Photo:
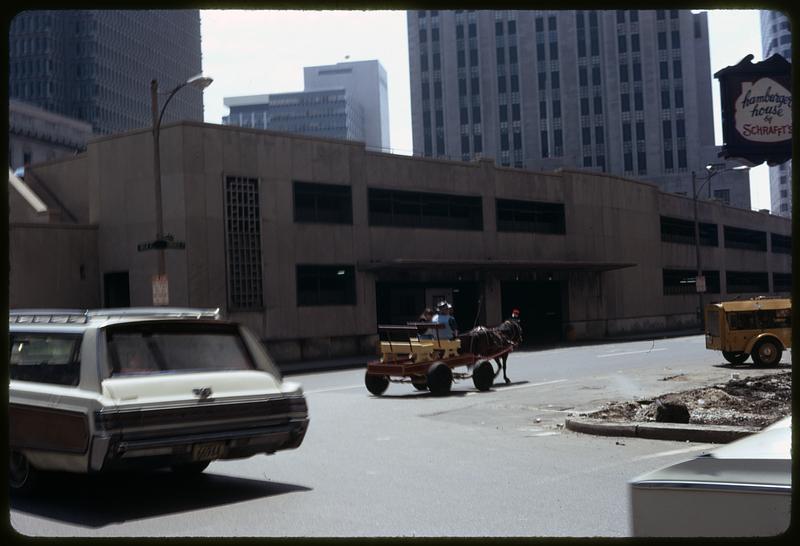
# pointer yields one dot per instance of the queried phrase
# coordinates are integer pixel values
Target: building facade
(314, 242)
(347, 100)
(96, 65)
(36, 135)
(625, 92)
(776, 37)
(325, 113)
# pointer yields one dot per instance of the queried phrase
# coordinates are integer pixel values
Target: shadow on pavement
(750, 366)
(414, 394)
(100, 500)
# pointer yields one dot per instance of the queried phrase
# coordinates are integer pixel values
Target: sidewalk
(349, 362)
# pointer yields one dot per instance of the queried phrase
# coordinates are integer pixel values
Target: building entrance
(398, 303)
(541, 305)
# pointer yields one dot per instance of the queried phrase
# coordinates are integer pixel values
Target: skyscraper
(346, 100)
(619, 91)
(776, 37)
(96, 65)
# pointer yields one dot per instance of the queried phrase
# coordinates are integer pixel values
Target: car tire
(376, 384)
(440, 378)
(735, 357)
(22, 476)
(483, 375)
(767, 352)
(190, 469)
(420, 383)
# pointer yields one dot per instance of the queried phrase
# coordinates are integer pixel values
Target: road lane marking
(632, 352)
(335, 389)
(504, 389)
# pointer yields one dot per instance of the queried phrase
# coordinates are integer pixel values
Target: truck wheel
(376, 384)
(440, 378)
(735, 357)
(767, 352)
(22, 476)
(420, 383)
(190, 469)
(483, 375)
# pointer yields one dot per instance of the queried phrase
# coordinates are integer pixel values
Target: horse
(488, 341)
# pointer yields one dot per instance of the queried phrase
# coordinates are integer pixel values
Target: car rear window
(45, 358)
(162, 347)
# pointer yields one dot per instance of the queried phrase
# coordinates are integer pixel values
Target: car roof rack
(171, 312)
(47, 316)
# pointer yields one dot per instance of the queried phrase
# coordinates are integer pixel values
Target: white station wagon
(93, 391)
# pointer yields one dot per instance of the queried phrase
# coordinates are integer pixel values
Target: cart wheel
(767, 352)
(735, 357)
(483, 375)
(440, 378)
(376, 384)
(420, 383)
(23, 477)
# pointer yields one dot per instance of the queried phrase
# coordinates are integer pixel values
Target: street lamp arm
(166, 102)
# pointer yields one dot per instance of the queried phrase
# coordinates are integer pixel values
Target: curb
(678, 432)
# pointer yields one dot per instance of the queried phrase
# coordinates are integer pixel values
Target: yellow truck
(760, 328)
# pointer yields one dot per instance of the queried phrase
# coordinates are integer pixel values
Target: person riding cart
(449, 326)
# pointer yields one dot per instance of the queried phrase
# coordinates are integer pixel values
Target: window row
(684, 281)
(330, 203)
(677, 230)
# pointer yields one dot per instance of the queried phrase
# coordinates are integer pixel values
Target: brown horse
(485, 341)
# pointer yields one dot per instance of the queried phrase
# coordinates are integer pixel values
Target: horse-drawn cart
(429, 364)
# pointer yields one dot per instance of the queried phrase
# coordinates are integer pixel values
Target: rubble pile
(749, 402)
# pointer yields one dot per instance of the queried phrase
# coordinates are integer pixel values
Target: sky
(262, 52)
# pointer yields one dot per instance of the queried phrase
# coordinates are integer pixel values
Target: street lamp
(201, 82)
(712, 169)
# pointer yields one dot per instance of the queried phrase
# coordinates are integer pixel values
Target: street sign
(701, 283)
(160, 290)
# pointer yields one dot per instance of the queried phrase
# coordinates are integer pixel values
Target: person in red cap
(515, 315)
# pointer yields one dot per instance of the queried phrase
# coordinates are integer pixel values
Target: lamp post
(201, 83)
(712, 169)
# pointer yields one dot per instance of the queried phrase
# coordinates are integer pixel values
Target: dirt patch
(750, 402)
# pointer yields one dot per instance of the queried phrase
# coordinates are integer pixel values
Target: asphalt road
(472, 464)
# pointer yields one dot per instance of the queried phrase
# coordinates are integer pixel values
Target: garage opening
(541, 305)
(398, 303)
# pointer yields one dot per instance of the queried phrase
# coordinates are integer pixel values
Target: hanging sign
(756, 104)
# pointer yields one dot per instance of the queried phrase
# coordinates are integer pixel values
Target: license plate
(207, 452)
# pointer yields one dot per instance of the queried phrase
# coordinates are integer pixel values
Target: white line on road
(632, 352)
(525, 386)
(335, 389)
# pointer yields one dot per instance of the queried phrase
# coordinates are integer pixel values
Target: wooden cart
(428, 364)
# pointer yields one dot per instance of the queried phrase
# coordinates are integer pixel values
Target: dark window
(427, 210)
(741, 320)
(662, 40)
(676, 68)
(665, 98)
(243, 243)
(677, 230)
(684, 281)
(781, 282)
(622, 43)
(664, 70)
(583, 76)
(45, 358)
(781, 244)
(530, 216)
(174, 347)
(747, 282)
(512, 54)
(326, 285)
(666, 129)
(746, 239)
(512, 27)
(324, 203)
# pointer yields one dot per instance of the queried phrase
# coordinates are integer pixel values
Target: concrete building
(36, 135)
(625, 92)
(776, 37)
(347, 100)
(314, 242)
(96, 65)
